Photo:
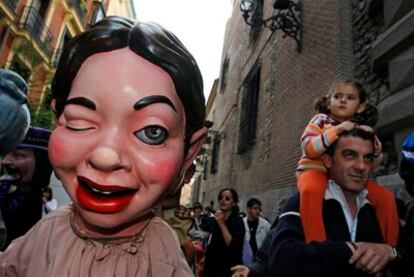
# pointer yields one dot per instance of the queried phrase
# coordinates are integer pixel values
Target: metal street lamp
(288, 18)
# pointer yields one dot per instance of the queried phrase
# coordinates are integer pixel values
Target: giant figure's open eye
(152, 135)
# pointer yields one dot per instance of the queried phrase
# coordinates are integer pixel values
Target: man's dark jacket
(291, 256)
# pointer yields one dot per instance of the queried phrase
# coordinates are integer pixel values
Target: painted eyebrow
(81, 101)
(153, 99)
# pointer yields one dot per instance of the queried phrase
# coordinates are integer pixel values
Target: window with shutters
(248, 110)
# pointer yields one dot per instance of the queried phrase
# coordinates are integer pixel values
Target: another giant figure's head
(14, 114)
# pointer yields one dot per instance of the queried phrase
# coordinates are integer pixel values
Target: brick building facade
(266, 90)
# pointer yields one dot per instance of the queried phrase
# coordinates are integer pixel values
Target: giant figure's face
(119, 143)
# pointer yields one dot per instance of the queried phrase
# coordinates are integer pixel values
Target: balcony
(55, 60)
(12, 4)
(79, 7)
(33, 23)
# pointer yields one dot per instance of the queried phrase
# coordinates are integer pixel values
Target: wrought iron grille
(76, 5)
(33, 23)
(12, 4)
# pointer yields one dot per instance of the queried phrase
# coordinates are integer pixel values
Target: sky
(199, 24)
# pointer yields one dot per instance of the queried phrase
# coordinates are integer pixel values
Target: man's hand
(371, 257)
(240, 271)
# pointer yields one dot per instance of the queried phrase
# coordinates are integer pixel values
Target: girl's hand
(345, 126)
(366, 128)
(219, 216)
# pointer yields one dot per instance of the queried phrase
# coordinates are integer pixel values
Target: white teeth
(101, 192)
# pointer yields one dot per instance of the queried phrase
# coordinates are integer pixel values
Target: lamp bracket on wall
(288, 18)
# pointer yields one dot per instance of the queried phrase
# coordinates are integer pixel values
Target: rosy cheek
(57, 149)
(163, 171)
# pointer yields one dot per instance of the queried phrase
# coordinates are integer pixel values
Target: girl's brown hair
(369, 116)
(321, 104)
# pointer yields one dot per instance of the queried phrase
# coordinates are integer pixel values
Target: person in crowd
(26, 171)
(226, 243)
(49, 203)
(279, 207)
(355, 245)
(14, 114)
(407, 174)
(14, 118)
(199, 239)
(402, 211)
(341, 109)
(130, 109)
(256, 229)
(196, 232)
(259, 268)
(207, 219)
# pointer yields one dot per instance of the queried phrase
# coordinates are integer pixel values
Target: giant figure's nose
(106, 159)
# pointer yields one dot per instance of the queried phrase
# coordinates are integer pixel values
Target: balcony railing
(76, 5)
(56, 57)
(12, 4)
(33, 23)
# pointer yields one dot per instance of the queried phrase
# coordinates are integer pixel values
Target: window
(215, 154)
(98, 12)
(257, 18)
(224, 70)
(58, 52)
(20, 68)
(248, 110)
(205, 169)
(41, 7)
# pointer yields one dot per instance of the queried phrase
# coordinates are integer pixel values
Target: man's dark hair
(197, 205)
(252, 202)
(356, 132)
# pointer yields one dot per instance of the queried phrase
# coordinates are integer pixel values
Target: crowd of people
(123, 164)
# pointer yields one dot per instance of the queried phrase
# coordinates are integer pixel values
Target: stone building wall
(289, 84)
(367, 39)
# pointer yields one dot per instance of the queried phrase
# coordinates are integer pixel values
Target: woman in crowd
(226, 243)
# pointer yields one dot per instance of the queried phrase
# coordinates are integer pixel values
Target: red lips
(102, 198)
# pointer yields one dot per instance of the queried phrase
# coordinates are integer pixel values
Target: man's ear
(361, 107)
(197, 140)
(327, 161)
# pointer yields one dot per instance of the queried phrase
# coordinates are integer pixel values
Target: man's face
(20, 162)
(351, 163)
(253, 213)
(119, 143)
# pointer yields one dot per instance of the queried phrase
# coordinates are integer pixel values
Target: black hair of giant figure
(148, 40)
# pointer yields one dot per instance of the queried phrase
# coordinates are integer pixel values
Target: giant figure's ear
(53, 106)
(197, 140)
(327, 160)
